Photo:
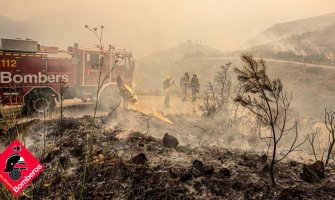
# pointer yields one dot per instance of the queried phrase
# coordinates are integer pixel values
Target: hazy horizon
(221, 24)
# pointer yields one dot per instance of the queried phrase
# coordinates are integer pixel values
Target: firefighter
(184, 84)
(195, 86)
(167, 90)
(128, 95)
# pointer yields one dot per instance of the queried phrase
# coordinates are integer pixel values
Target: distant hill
(67, 27)
(189, 57)
(10, 28)
(285, 30)
(311, 47)
(311, 84)
(310, 40)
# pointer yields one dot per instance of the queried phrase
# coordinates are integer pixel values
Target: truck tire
(39, 103)
(109, 98)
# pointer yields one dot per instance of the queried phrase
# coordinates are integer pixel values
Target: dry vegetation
(142, 167)
(126, 154)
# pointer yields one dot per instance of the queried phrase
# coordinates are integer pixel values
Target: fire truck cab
(37, 76)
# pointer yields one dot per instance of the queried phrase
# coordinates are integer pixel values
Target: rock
(55, 150)
(185, 149)
(327, 187)
(263, 158)
(219, 188)
(291, 193)
(185, 176)
(294, 163)
(46, 158)
(101, 157)
(229, 153)
(238, 185)
(199, 169)
(139, 159)
(150, 147)
(208, 170)
(225, 156)
(198, 186)
(251, 163)
(247, 163)
(160, 150)
(142, 174)
(313, 173)
(256, 186)
(67, 143)
(140, 145)
(173, 172)
(64, 161)
(224, 173)
(97, 150)
(49, 156)
(77, 151)
(266, 168)
(170, 141)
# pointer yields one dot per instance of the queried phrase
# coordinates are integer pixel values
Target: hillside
(312, 47)
(186, 57)
(10, 28)
(285, 30)
(309, 40)
(311, 84)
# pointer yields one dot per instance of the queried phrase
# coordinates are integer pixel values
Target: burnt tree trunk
(329, 152)
(273, 162)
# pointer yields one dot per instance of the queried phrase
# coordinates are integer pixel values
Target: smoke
(150, 26)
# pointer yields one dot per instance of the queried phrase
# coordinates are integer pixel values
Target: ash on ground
(126, 163)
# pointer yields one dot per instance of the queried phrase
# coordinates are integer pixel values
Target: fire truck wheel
(40, 103)
(109, 98)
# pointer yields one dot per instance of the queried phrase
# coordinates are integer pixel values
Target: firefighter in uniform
(184, 84)
(167, 88)
(195, 86)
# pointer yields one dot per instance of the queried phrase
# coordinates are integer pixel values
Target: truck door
(92, 68)
(11, 78)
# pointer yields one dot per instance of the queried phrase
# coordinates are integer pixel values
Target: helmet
(15, 161)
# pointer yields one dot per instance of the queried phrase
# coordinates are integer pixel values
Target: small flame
(129, 95)
(148, 110)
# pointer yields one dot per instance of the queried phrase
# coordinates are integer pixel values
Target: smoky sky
(221, 24)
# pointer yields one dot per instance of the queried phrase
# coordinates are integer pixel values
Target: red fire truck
(34, 76)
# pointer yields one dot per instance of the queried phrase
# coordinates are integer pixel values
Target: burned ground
(138, 166)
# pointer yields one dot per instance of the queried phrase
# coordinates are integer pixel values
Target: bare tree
(98, 33)
(330, 125)
(311, 137)
(237, 90)
(267, 101)
(218, 92)
(210, 105)
(222, 81)
(62, 86)
(99, 36)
